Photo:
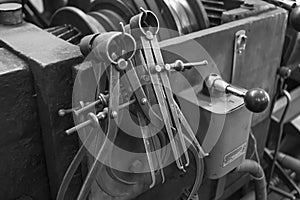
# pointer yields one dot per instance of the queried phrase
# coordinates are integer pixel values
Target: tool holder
(135, 54)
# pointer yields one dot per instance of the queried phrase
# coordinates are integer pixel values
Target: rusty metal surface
(22, 167)
(50, 60)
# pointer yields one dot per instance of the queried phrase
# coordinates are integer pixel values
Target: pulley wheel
(200, 13)
(117, 6)
(77, 18)
(164, 34)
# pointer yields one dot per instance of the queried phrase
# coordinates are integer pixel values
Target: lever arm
(256, 99)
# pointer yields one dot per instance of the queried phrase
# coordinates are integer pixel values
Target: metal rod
(102, 100)
(280, 134)
(82, 125)
(145, 135)
(201, 63)
(100, 116)
(85, 108)
(235, 91)
(282, 192)
(179, 65)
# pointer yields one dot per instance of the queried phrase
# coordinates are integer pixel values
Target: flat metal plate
(221, 105)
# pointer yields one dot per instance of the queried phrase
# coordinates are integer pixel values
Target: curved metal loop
(111, 46)
(145, 22)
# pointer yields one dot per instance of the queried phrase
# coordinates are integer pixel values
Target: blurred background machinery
(252, 43)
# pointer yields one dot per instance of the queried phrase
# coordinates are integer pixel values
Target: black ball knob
(256, 100)
(295, 18)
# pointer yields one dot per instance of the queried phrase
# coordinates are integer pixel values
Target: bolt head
(122, 64)
(158, 68)
(149, 35)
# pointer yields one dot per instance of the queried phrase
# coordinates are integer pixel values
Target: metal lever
(146, 136)
(256, 99)
(179, 65)
(94, 119)
(102, 99)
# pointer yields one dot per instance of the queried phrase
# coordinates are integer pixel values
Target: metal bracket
(238, 54)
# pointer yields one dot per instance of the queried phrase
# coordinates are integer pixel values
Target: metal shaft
(200, 63)
(235, 91)
(100, 116)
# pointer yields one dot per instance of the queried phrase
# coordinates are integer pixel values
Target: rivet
(144, 101)
(149, 35)
(114, 114)
(122, 64)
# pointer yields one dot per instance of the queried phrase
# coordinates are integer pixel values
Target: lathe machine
(141, 99)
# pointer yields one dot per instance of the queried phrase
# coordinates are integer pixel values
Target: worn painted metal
(50, 60)
(22, 167)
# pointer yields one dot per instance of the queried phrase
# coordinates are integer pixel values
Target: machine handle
(256, 99)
